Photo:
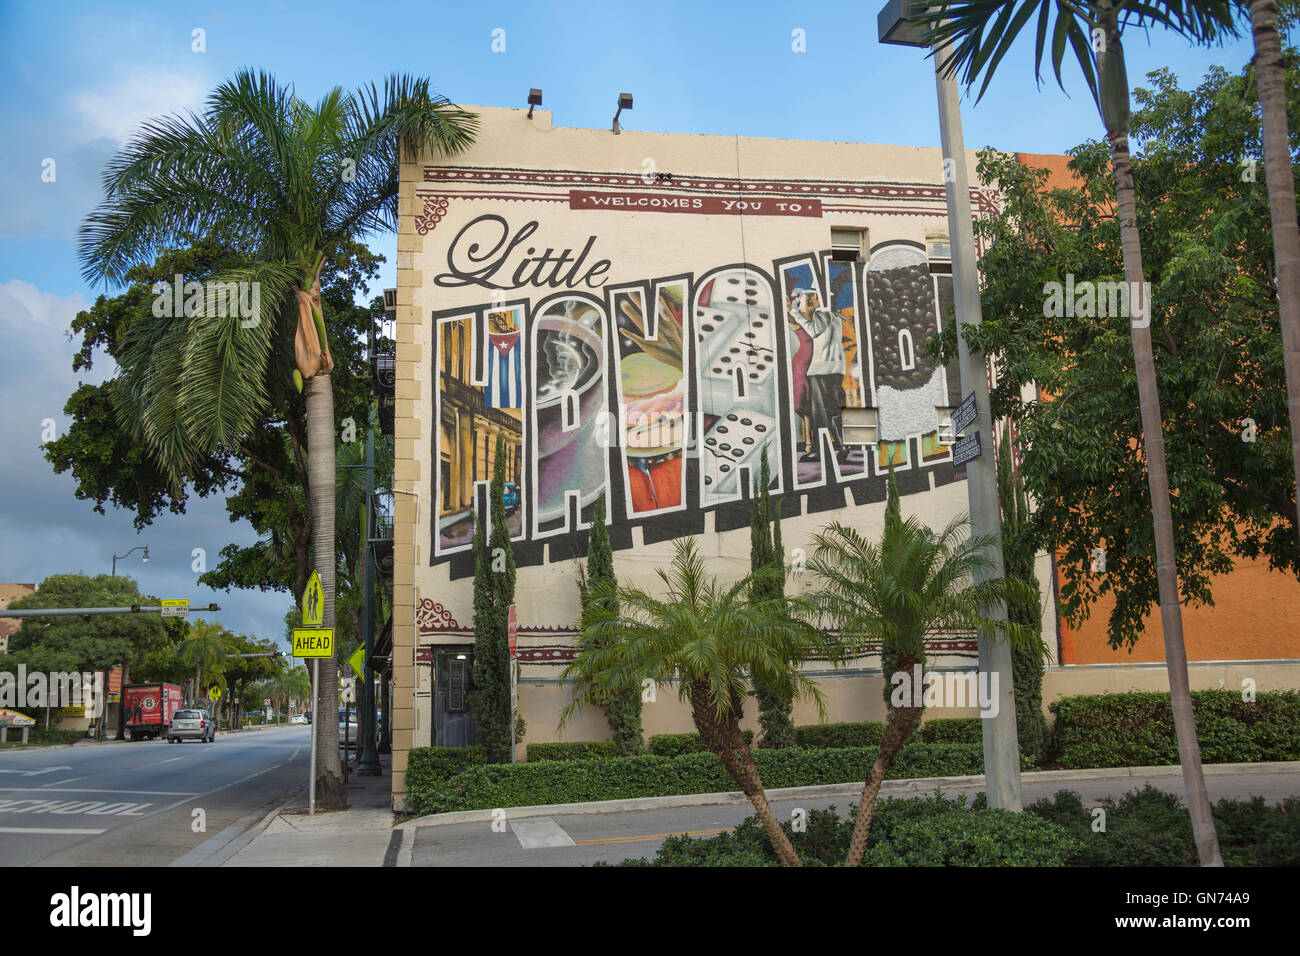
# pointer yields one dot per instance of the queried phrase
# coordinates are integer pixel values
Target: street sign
(512, 629)
(313, 642)
(966, 449)
(175, 607)
(358, 662)
(266, 702)
(214, 693)
(348, 690)
(514, 687)
(12, 718)
(963, 414)
(313, 604)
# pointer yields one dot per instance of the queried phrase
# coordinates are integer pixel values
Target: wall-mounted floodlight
(534, 99)
(624, 103)
(860, 426)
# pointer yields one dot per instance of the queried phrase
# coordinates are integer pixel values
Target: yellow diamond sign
(313, 603)
(313, 642)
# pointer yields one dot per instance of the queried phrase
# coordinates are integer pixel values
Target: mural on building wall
(735, 323)
(652, 355)
(663, 393)
(825, 372)
(481, 396)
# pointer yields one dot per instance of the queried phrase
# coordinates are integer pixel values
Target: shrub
(1137, 729)
(575, 750)
(864, 734)
(576, 781)
(974, 838)
(929, 829)
(958, 730)
(671, 745)
(429, 768)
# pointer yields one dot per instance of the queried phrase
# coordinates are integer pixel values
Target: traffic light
(277, 655)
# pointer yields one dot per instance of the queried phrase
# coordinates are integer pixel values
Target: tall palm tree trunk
(320, 478)
(899, 726)
(726, 741)
(1153, 441)
(1282, 204)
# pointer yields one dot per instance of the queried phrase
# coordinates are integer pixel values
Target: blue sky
(78, 77)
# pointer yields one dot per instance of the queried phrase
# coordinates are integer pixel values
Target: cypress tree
(766, 550)
(494, 592)
(1018, 559)
(622, 708)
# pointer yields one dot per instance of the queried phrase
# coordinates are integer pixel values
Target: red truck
(150, 708)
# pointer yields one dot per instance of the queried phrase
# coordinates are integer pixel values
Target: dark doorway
(453, 719)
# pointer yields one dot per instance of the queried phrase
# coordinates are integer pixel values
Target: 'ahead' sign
(313, 642)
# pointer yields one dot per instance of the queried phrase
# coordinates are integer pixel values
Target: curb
(910, 785)
(221, 856)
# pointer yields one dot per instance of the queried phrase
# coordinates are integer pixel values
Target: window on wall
(849, 245)
(460, 350)
(444, 476)
(446, 350)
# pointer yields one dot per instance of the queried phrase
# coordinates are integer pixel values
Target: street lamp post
(897, 25)
(367, 755)
(121, 690)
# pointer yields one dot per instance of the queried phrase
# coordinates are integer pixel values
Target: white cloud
(115, 109)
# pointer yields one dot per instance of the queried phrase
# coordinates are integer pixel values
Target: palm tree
(205, 647)
(709, 638)
(1278, 174)
(287, 183)
(912, 584)
(970, 37)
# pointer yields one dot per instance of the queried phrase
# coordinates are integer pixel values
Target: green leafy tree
(205, 648)
(1018, 554)
(83, 643)
(708, 638)
(494, 592)
(290, 183)
(913, 583)
(242, 672)
(622, 707)
(766, 550)
(971, 37)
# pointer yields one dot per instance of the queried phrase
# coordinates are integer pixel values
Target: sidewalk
(358, 836)
(364, 835)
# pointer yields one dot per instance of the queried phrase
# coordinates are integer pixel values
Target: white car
(192, 725)
(298, 719)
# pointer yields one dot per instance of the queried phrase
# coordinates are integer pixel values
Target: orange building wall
(1256, 614)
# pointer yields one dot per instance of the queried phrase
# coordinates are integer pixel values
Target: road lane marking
(652, 836)
(540, 832)
(137, 793)
(190, 797)
(170, 759)
(59, 783)
(50, 830)
(37, 773)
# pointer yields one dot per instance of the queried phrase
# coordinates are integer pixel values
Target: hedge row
(573, 750)
(904, 832)
(1146, 828)
(1137, 729)
(504, 785)
(674, 745)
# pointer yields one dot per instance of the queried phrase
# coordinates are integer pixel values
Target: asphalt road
(144, 803)
(582, 839)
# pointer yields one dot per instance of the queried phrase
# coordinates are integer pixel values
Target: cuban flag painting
(505, 381)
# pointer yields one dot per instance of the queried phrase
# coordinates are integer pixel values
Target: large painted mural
(662, 393)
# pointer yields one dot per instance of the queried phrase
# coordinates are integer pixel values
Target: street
(142, 803)
(583, 839)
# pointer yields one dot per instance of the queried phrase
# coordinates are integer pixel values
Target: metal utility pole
(1001, 746)
(368, 758)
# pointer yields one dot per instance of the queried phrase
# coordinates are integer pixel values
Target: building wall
(608, 302)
